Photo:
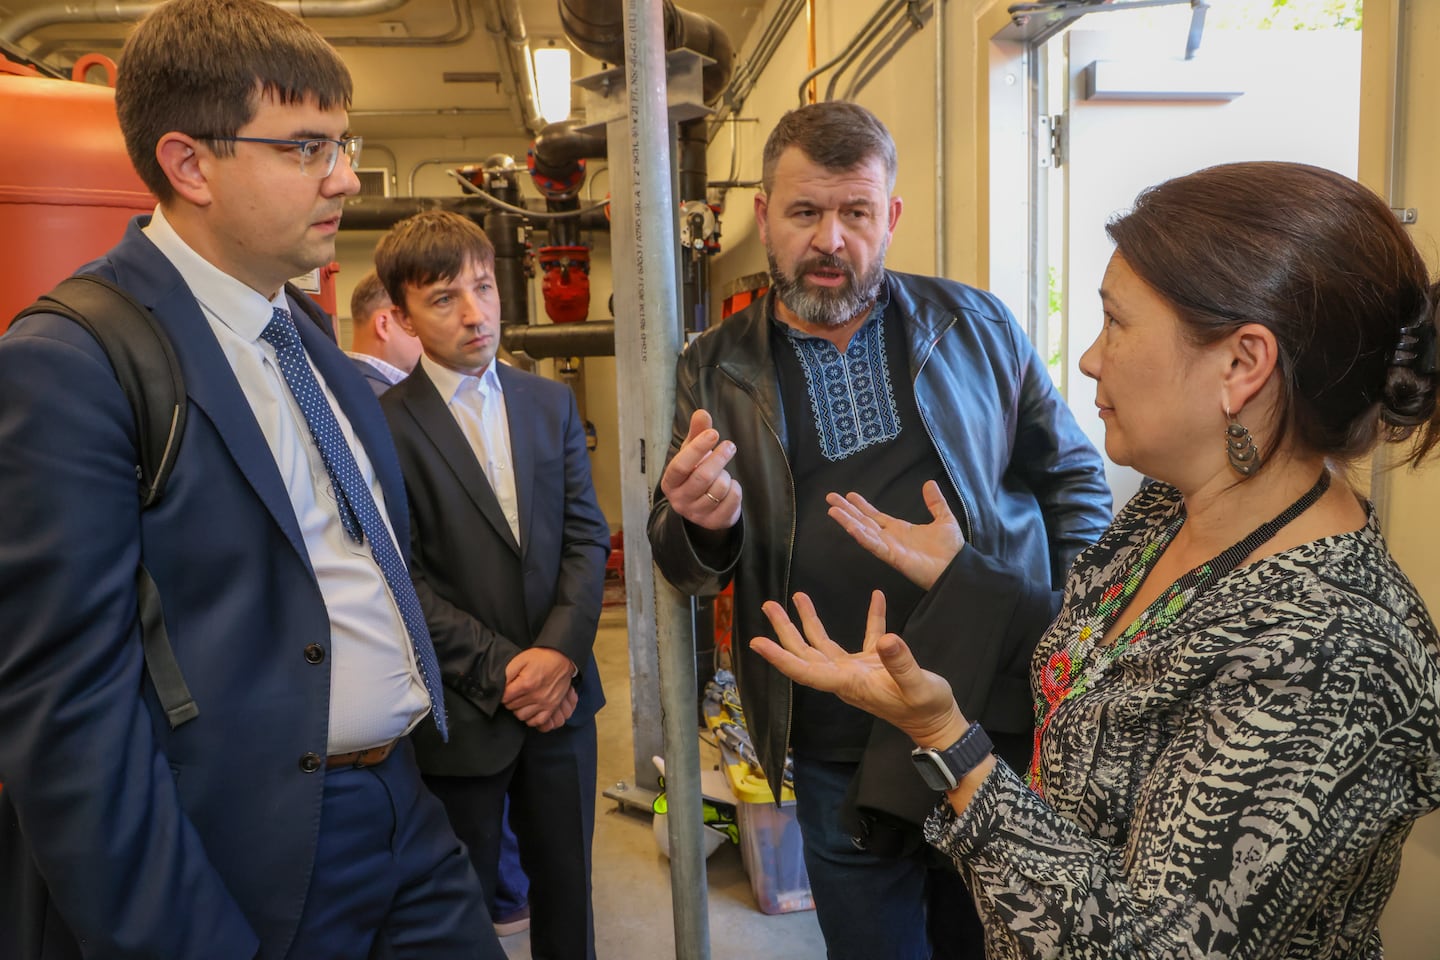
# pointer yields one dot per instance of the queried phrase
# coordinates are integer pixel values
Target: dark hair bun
(1408, 397)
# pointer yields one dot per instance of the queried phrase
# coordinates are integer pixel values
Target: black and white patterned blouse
(1238, 784)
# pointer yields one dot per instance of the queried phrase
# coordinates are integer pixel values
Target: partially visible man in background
(382, 349)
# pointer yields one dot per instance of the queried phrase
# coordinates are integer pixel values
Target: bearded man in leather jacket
(924, 396)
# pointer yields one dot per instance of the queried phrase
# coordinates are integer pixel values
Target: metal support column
(639, 110)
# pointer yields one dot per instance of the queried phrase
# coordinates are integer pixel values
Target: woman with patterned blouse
(1238, 707)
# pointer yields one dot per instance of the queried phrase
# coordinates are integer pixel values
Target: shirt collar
(228, 300)
(387, 370)
(449, 383)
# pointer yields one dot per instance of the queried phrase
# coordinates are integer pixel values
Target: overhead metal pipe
(99, 11)
(750, 70)
(593, 338)
(596, 27)
(506, 26)
(857, 44)
(382, 213)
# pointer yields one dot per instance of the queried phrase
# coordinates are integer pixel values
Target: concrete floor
(631, 877)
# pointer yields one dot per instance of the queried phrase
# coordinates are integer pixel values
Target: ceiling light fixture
(552, 80)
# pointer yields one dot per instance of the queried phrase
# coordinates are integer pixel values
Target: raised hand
(882, 679)
(696, 482)
(921, 552)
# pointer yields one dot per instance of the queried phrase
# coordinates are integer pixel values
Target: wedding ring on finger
(713, 499)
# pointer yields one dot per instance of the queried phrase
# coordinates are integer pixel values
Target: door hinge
(1052, 140)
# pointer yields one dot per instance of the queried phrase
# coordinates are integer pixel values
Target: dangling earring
(1240, 447)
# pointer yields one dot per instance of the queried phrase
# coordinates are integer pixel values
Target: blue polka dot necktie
(358, 513)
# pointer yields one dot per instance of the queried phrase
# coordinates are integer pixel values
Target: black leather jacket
(1031, 485)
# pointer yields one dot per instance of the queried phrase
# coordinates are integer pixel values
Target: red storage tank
(67, 188)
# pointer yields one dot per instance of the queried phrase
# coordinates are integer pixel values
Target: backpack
(149, 374)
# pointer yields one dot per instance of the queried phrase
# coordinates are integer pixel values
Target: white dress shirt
(376, 693)
(387, 370)
(478, 406)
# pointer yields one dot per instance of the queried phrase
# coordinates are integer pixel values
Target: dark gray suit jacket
(485, 596)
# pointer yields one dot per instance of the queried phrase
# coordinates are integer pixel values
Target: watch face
(932, 770)
(944, 769)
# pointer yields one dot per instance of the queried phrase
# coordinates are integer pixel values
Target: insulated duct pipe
(97, 11)
(561, 144)
(593, 338)
(596, 27)
(382, 213)
(559, 170)
(695, 264)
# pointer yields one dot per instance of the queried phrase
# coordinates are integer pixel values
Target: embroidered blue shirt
(851, 395)
(858, 401)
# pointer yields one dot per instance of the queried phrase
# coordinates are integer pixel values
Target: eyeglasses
(317, 157)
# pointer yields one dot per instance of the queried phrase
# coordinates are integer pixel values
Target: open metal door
(1137, 113)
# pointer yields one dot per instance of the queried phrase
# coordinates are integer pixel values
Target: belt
(361, 758)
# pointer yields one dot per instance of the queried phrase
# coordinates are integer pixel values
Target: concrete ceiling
(400, 59)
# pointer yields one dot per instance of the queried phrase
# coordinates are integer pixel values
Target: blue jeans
(874, 907)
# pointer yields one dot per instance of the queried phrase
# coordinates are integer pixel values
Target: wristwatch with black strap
(944, 769)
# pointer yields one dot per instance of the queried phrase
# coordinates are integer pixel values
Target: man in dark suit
(382, 349)
(288, 818)
(509, 550)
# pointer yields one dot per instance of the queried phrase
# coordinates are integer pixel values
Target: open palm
(883, 679)
(920, 551)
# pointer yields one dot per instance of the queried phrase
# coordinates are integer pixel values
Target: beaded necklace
(1073, 669)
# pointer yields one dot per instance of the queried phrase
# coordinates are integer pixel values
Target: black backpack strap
(149, 373)
(144, 362)
(160, 662)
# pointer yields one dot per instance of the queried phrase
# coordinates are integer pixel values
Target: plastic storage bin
(770, 844)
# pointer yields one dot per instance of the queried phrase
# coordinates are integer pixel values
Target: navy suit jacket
(197, 842)
(485, 596)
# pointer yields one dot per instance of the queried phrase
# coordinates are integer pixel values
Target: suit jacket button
(310, 762)
(314, 653)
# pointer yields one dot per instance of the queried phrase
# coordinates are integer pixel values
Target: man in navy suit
(287, 819)
(509, 549)
(382, 349)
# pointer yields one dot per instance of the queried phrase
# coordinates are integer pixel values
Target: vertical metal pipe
(647, 341)
(810, 47)
(691, 149)
(938, 21)
(507, 232)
